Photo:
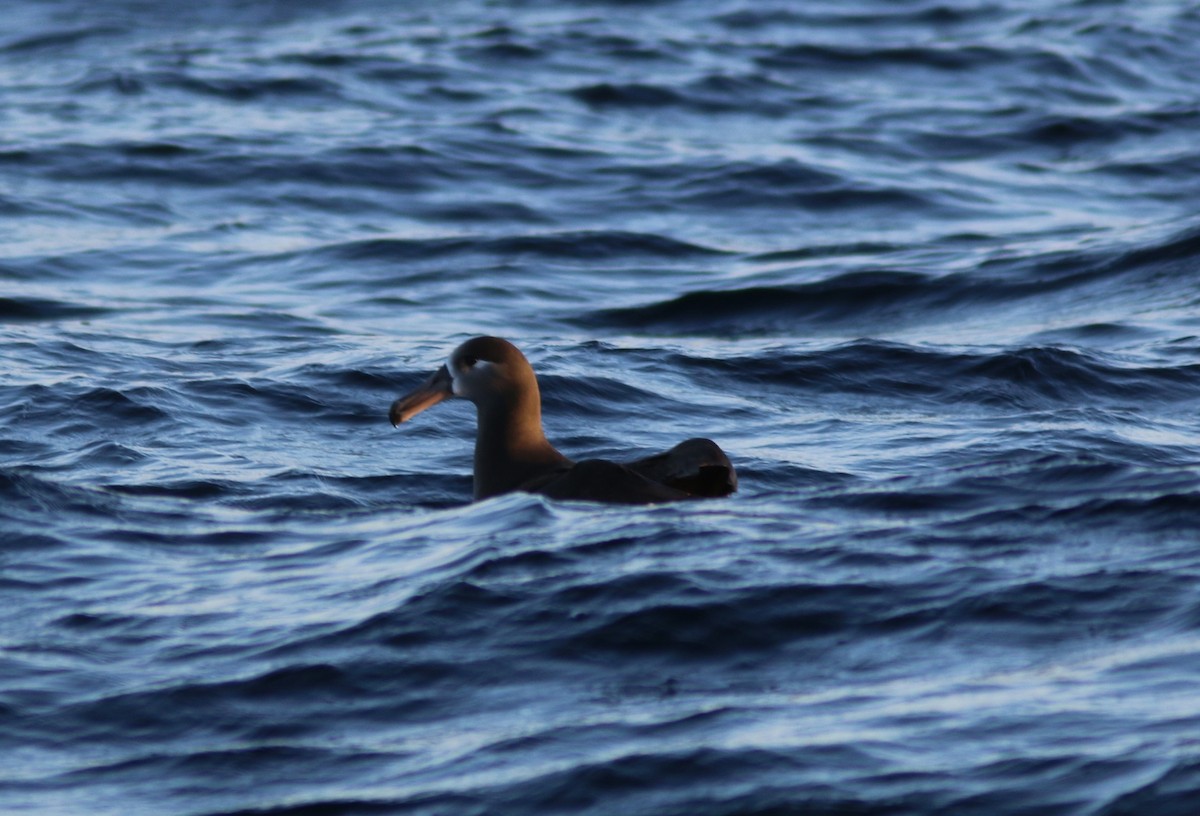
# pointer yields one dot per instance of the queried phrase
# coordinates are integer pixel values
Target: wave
(32, 309)
(956, 58)
(60, 39)
(207, 161)
(31, 494)
(237, 89)
(858, 297)
(1029, 377)
(581, 246)
(787, 185)
(868, 298)
(752, 93)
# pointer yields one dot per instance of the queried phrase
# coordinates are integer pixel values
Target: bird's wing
(602, 481)
(697, 467)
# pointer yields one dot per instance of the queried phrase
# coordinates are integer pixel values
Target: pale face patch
(458, 374)
(454, 384)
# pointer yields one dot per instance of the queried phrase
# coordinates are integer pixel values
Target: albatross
(512, 452)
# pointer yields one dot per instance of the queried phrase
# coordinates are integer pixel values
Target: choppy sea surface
(928, 271)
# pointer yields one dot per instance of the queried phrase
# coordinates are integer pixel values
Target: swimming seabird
(512, 453)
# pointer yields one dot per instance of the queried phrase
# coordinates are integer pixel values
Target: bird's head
(485, 370)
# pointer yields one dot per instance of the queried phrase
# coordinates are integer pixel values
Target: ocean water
(926, 269)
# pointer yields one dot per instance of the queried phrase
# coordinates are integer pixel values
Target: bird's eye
(468, 362)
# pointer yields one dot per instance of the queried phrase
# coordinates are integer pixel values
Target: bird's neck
(510, 445)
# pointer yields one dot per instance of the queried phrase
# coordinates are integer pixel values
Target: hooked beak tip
(437, 388)
(399, 413)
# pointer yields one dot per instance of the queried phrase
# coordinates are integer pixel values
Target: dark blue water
(926, 270)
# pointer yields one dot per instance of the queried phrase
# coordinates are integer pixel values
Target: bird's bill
(437, 388)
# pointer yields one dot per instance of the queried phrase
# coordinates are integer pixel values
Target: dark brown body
(512, 452)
